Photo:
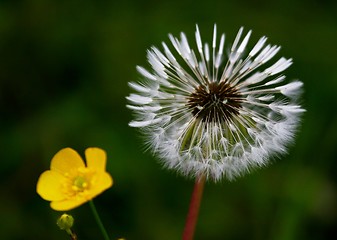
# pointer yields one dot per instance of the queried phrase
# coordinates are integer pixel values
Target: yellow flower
(69, 183)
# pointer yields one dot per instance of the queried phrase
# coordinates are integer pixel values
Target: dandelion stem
(193, 211)
(98, 220)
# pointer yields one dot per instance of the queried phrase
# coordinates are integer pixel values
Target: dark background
(64, 68)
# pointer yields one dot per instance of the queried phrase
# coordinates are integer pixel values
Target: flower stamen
(80, 184)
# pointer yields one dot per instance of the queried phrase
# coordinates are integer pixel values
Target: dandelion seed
(219, 116)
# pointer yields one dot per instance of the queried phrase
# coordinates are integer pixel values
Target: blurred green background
(64, 68)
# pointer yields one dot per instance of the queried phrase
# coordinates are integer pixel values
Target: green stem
(98, 220)
(193, 212)
(72, 235)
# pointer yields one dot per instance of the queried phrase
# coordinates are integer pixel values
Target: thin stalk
(193, 212)
(98, 220)
(72, 235)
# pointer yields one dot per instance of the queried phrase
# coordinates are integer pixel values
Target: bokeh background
(64, 68)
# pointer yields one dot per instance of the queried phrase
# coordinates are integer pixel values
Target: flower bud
(65, 222)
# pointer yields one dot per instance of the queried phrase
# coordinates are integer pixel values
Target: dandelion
(212, 115)
(69, 183)
(216, 115)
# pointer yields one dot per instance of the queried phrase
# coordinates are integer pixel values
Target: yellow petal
(102, 182)
(96, 158)
(67, 204)
(66, 160)
(49, 186)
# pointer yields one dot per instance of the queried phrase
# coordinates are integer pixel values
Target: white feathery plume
(204, 113)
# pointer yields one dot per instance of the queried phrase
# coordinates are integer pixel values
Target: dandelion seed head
(207, 113)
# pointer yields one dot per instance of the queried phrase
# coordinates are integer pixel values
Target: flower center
(80, 184)
(215, 102)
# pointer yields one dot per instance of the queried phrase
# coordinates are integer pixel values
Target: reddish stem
(193, 211)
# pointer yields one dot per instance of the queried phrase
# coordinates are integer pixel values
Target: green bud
(65, 222)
